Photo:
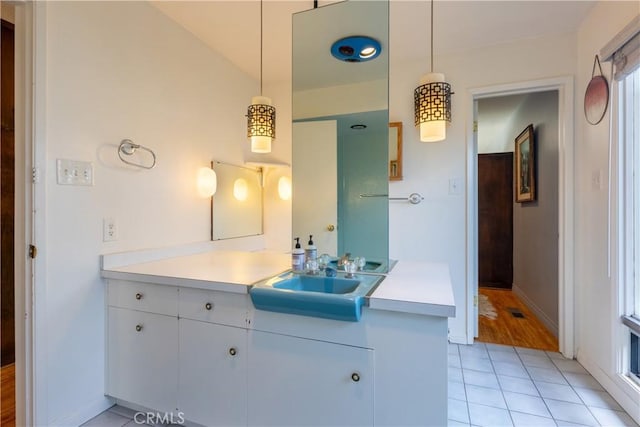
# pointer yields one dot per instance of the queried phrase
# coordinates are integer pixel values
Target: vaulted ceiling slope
(232, 28)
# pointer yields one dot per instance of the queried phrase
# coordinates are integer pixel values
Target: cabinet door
(301, 382)
(143, 358)
(213, 373)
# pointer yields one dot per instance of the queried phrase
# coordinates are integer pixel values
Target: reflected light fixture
(284, 188)
(207, 182)
(240, 189)
(356, 49)
(432, 102)
(261, 115)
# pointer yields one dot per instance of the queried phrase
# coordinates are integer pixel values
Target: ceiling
(232, 28)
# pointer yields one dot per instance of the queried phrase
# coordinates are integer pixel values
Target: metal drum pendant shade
(261, 115)
(432, 102)
(261, 124)
(432, 107)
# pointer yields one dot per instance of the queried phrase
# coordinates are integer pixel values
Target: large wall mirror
(340, 159)
(236, 207)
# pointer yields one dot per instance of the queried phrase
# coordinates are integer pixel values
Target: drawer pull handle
(232, 351)
(355, 377)
(138, 328)
(208, 306)
(138, 296)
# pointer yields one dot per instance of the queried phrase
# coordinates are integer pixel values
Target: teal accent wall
(362, 169)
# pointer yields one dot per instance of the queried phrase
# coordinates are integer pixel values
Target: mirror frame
(396, 165)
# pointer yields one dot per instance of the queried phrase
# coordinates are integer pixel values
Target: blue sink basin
(337, 298)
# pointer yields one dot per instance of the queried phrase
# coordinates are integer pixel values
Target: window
(629, 126)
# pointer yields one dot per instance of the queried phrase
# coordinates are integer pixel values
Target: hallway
(7, 393)
(504, 319)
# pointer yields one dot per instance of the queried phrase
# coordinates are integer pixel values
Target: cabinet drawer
(147, 297)
(213, 306)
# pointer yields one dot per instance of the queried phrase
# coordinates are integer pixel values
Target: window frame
(628, 230)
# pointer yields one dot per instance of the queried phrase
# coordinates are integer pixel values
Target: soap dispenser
(297, 257)
(311, 252)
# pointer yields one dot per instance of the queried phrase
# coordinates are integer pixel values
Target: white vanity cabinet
(142, 339)
(212, 371)
(184, 337)
(302, 382)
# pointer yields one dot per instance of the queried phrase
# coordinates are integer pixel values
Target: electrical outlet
(109, 230)
(74, 172)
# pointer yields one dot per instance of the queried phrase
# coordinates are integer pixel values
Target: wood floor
(8, 393)
(509, 330)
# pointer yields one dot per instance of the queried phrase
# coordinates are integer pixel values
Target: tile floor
(494, 385)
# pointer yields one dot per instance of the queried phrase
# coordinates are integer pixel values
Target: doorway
(559, 310)
(517, 250)
(7, 222)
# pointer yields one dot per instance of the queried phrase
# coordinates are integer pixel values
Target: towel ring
(128, 148)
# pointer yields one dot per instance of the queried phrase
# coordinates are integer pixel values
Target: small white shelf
(268, 164)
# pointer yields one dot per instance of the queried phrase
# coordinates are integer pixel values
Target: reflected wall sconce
(240, 189)
(207, 182)
(284, 188)
(432, 102)
(261, 115)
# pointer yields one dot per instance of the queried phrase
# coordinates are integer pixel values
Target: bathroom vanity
(184, 336)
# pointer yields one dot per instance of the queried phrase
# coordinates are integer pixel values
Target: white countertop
(229, 271)
(416, 287)
(411, 287)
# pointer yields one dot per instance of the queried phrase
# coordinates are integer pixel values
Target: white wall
(597, 316)
(435, 230)
(535, 224)
(495, 116)
(119, 70)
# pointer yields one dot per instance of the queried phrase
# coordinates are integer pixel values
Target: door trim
(31, 329)
(566, 297)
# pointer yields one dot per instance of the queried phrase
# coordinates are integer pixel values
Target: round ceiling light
(356, 49)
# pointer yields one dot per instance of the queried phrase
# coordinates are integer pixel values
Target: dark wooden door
(495, 220)
(7, 169)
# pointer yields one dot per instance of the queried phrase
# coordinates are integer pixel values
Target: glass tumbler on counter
(311, 266)
(360, 262)
(323, 261)
(350, 268)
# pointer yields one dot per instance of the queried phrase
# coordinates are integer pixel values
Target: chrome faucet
(343, 259)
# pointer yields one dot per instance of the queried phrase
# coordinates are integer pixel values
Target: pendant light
(432, 102)
(261, 115)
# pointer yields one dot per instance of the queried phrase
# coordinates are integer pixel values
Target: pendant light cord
(260, 47)
(432, 36)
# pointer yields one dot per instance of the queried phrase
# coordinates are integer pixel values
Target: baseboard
(455, 339)
(87, 412)
(629, 399)
(546, 320)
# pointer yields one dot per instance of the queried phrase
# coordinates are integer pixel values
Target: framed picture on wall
(525, 166)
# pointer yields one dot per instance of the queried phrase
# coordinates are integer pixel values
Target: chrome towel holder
(414, 198)
(128, 148)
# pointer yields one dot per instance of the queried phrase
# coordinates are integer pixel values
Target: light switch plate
(74, 172)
